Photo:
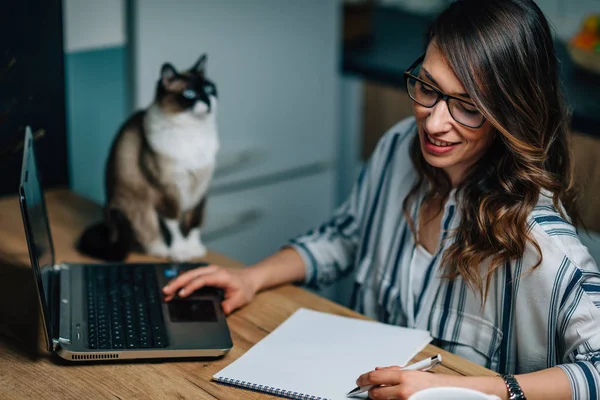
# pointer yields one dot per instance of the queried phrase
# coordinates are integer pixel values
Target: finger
(380, 377)
(388, 392)
(168, 298)
(392, 367)
(185, 278)
(188, 276)
(231, 304)
(217, 279)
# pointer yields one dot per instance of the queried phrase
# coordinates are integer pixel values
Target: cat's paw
(158, 249)
(185, 251)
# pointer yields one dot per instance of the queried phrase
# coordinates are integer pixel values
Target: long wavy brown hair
(502, 52)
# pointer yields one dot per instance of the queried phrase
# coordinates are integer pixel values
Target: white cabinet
(252, 223)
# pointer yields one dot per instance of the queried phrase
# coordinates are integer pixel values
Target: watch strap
(514, 389)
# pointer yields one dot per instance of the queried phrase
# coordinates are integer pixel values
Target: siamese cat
(158, 172)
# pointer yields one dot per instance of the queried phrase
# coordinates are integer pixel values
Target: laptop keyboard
(124, 308)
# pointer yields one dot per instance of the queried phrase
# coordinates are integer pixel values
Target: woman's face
(445, 143)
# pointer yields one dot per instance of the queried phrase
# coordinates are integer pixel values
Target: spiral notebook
(315, 355)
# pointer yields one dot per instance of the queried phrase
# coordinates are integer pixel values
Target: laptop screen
(37, 229)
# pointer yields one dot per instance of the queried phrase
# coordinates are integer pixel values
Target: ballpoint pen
(423, 365)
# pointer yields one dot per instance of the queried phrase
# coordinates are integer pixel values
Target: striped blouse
(532, 319)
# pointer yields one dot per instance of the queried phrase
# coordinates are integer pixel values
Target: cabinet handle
(232, 224)
(268, 179)
(228, 164)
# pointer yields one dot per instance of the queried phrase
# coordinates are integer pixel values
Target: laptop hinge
(64, 326)
(60, 305)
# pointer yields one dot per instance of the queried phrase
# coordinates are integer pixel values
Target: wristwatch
(514, 390)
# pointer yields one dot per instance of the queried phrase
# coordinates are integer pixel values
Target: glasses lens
(465, 113)
(421, 92)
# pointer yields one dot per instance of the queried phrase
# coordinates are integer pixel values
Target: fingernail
(182, 292)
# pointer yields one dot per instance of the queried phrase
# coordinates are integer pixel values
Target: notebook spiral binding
(268, 389)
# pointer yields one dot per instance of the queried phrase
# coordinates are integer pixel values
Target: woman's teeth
(438, 143)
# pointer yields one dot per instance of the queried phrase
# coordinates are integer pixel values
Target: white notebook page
(322, 355)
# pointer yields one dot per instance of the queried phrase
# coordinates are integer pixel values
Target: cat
(160, 166)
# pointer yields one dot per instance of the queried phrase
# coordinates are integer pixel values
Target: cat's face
(186, 91)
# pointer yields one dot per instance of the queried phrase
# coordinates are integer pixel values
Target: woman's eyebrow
(432, 79)
(428, 75)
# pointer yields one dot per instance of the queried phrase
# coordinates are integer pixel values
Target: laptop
(114, 311)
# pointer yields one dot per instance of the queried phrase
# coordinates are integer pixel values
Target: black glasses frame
(440, 95)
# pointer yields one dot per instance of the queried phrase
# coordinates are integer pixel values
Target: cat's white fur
(191, 141)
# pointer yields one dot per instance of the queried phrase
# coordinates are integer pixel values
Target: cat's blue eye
(189, 94)
(209, 89)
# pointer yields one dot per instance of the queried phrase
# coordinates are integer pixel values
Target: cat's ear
(200, 66)
(167, 73)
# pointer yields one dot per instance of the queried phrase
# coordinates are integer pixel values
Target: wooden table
(28, 373)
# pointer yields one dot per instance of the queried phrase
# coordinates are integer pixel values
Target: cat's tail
(110, 240)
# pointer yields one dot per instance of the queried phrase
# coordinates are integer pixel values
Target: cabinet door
(383, 106)
(585, 149)
(275, 64)
(248, 225)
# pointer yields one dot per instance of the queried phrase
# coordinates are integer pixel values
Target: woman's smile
(436, 146)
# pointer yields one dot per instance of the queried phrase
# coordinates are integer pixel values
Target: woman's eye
(469, 109)
(189, 94)
(426, 89)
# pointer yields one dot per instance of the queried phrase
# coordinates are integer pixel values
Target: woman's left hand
(399, 384)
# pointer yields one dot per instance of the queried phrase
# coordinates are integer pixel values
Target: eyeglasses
(427, 95)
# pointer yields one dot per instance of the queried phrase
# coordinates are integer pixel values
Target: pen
(423, 365)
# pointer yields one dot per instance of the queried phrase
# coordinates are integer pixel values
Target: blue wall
(97, 105)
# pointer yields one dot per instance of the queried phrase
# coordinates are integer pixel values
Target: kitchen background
(306, 88)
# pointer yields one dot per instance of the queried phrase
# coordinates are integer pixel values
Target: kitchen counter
(398, 39)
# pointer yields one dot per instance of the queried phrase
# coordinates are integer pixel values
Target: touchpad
(192, 311)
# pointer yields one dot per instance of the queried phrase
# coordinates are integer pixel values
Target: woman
(459, 223)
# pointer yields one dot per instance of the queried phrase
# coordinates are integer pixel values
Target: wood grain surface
(26, 372)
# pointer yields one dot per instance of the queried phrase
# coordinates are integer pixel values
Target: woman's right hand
(237, 284)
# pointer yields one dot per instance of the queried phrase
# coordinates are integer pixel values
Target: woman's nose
(439, 119)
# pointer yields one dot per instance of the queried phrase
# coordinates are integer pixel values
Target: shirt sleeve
(579, 334)
(329, 251)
